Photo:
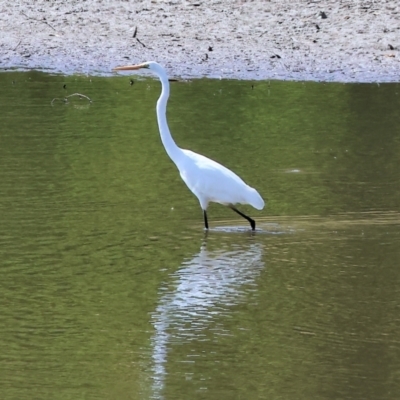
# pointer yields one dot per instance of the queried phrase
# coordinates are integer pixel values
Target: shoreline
(332, 41)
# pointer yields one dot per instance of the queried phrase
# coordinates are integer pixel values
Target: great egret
(208, 180)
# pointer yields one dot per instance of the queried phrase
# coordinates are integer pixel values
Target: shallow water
(111, 289)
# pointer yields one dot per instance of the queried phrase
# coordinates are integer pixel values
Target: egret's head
(148, 64)
(132, 67)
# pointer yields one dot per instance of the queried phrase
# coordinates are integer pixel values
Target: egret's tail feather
(256, 200)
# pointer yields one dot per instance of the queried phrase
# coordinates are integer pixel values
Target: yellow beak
(130, 67)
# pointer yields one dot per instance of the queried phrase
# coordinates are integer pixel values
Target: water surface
(111, 289)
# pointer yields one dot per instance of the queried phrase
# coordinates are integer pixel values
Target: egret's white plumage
(208, 180)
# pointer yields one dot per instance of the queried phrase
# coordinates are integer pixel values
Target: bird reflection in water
(207, 286)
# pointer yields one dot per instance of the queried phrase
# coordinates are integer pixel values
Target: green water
(110, 288)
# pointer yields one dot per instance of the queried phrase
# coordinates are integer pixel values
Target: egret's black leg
(251, 220)
(205, 219)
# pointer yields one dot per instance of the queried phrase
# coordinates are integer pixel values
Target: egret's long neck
(171, 148)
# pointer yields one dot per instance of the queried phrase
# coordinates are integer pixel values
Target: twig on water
(38, 20)
(65, 99)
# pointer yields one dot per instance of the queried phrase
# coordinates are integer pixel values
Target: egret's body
(208, 180)
(212, 182)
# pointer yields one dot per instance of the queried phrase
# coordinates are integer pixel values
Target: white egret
(208, 180)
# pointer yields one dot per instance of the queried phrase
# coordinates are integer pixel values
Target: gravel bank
(338, 40)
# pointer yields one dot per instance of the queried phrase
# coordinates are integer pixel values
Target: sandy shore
(332, 40)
